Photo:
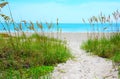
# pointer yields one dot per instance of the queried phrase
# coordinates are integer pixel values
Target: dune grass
(22, 53)
(28, 57)
(104, 47)
(105, 44)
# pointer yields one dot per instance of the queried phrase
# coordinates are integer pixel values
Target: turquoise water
(68, 27)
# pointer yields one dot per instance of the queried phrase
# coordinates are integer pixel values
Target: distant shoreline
(67, 27)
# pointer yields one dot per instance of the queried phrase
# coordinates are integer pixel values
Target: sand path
(83, 66)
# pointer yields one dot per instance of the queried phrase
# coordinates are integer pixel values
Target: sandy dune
(84, 65)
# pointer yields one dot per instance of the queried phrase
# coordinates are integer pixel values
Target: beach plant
(105, 44)
(27, 52)
(104, 23)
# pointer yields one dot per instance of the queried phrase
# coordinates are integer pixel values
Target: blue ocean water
(66, 27)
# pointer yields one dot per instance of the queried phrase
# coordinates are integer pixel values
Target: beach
(84, 65)
(60, 39)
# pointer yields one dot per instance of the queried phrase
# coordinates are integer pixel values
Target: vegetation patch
(23, 55)
(28, 57)
(105, 43)
(41, 72)
(104, 47)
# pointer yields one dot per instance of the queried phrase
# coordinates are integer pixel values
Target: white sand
(84, 65)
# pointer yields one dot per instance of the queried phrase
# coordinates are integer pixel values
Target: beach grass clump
(105, 38)
(25, 51)
(105, 41)
(102, 43)
(104, 47)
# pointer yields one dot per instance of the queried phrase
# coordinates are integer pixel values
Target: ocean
(65, 27)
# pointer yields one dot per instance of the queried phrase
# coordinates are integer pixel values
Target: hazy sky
(68, 11)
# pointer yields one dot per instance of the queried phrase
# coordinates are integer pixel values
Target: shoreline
(62, 35)
(56, 32)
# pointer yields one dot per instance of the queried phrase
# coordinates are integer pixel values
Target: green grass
(31, 73)
(26, 53)
(102, 44)
(26, 57)
(104, 47)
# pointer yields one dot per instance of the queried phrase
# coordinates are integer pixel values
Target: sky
(67, 11)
